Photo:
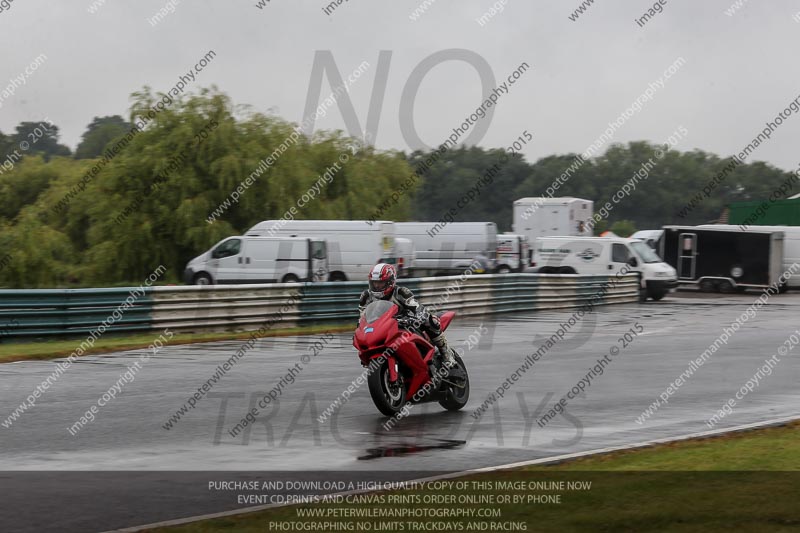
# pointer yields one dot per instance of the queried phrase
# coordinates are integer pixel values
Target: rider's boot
(440, 341)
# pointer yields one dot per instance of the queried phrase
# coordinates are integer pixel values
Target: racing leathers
(428, 322)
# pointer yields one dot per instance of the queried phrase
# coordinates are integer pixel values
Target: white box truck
(605, 256)
(354, 246)
(513, 253)
(449, 249)
(537, 217)
(260, 260)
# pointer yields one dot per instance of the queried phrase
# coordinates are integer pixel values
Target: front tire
(388, 398)
(657, 295)
(202, 279)
(457, 397)
(708, 286)
(504, 269)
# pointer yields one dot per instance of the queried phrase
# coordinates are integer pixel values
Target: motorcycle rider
(383, 286)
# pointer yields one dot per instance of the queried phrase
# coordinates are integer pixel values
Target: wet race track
(129, 433)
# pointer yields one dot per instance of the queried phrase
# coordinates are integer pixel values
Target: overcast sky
(739, 71)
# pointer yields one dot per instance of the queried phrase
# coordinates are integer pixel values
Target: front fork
(392, 362)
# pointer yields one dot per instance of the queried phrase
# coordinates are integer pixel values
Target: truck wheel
(202, 279)
(503, 269)
(707, 286)
(566, 270)
(290, 278)
(726, 287)
(337, 276)
(783, 288)
(657, 295)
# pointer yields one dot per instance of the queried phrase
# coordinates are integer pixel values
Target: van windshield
(647, 254)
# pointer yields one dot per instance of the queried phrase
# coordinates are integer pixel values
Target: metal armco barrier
(67, 312)
(71, 312)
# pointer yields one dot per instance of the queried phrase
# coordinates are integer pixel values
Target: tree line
(88, 242)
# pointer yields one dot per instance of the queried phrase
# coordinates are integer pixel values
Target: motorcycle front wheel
(457, 397)
(388, 397)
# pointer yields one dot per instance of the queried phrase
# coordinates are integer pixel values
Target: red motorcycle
(404, 366)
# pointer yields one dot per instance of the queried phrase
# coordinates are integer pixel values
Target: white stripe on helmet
(376, 271)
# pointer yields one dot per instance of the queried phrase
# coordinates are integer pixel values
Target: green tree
(40, 137)
(99, 133)
(623, 228)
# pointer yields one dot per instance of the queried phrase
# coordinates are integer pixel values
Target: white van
(406, 257)
(513, 253)
(449, 248)
(605, 256)
(260, 260)
(354, 246)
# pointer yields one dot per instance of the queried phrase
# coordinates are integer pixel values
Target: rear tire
(456, 398)
(657, 295)
(389, 400)
(337, 276)
(726, 287)
(290, 278)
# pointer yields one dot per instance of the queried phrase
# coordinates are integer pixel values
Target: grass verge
(62, 348)
(747, 481)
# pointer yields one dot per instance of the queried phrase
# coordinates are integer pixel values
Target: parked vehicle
(552, 217)
(651, 237)
(260, 260)
(405, 366)
(513, 253)
(789, 253)
(605, 256)
(354, 246)
(445, 249)
(406, 257)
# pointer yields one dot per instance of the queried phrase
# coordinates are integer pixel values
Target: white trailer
(259, 260)
(354, 246)
(513, 253)
(444, 249)
(537, 217)
(791, 247)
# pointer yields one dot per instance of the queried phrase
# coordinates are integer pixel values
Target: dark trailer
(723, 259)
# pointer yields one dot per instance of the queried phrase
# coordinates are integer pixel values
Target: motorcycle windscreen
(377, 309)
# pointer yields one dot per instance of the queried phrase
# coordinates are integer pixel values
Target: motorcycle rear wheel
(455, 397)
(388, 398)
